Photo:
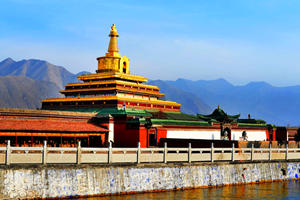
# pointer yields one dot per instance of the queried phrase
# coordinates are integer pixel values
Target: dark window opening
(95, 141)
(152, 140)
(124, 67)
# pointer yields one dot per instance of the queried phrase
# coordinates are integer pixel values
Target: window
(124, 67)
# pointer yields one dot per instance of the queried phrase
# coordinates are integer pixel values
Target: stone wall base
(91, 180)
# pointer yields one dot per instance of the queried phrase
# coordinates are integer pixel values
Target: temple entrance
(152, 137)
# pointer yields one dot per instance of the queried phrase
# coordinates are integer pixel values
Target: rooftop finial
(219, 107)
(113, 43)
(113, 31)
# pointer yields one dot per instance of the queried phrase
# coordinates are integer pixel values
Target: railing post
(45, 153)
(8, 152)
(286, 151)
(110, 152)
(212, 152)
(139, 153)
(232, 153)
(79, 152)
(270, 151)
(165, 153)
(252, 152)
(190, 153)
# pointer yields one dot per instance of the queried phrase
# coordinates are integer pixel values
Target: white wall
(199, 134)
(253, 135)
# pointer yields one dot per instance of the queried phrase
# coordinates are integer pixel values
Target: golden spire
(113, 43)
(112, 61)
(219, 107)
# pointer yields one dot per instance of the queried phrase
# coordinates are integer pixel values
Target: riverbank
(271, 190)
(53, 181)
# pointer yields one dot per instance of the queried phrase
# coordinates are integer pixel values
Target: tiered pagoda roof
(112, 86)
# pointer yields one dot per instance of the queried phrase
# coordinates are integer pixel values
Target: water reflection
(275, 190)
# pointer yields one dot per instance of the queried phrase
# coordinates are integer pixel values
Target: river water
(275, 190)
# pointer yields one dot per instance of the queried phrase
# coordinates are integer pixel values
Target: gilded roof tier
(134, 91)
(105, 98)
(112, 82)
(107, 75)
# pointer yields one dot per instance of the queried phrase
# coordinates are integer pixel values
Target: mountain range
(38, 70)
(277, 105)
(23, 92)
(23, 84)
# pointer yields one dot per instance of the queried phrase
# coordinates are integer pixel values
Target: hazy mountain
(190, 103)
(25, 83)
(278, 105)
(23, 92)
(37, 70)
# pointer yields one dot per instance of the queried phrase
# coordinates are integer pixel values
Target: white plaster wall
(199, 134)
(253, 135)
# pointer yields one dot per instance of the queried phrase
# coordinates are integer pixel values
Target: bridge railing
(83, 155)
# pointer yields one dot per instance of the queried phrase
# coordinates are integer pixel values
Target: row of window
(111, 85)
(90, 95)
(146, 105)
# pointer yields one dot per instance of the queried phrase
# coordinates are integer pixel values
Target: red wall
(143, 137)
(125, 137)
(267, 134)
(161, 133)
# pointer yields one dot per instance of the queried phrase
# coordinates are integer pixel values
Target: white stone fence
(82, 155)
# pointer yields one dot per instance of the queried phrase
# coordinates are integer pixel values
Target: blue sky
(241, 41)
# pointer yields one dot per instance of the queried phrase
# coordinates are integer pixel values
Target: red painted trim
(274, 135)
(267, 135)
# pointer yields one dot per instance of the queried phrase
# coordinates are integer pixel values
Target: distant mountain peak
(82, 73)
(7, 60)
(258, 84)
(222, 79)
(38, 70)
(182, 79)
(37, 61)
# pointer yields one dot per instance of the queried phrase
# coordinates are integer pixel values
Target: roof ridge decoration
(219, 115)
(113, 44)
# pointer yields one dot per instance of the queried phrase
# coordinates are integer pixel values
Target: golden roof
(106, 98)
(112, 82)
(106, 75)
(151, 93)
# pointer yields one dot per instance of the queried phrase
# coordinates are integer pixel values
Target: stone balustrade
(81, 155)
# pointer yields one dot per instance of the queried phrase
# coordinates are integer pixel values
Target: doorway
(152, 137)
